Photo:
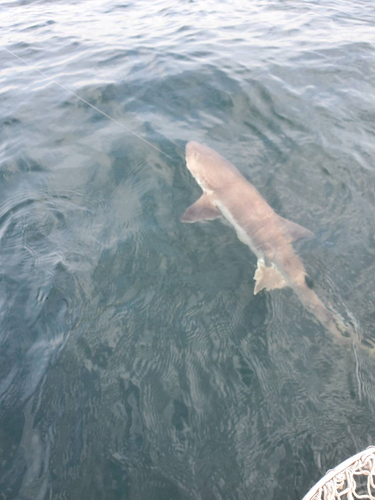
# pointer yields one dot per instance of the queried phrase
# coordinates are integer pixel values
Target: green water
(135, 361)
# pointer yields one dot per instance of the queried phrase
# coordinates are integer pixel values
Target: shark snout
(191, 146)
(192, 150)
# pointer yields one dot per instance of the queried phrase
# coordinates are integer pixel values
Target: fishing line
(92, 105)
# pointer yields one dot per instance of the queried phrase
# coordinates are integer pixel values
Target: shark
(229, 195)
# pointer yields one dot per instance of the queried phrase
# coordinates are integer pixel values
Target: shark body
(227, 193)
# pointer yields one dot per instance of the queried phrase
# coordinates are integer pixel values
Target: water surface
(135, 361)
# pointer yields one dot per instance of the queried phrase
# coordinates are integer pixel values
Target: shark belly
(242, 235)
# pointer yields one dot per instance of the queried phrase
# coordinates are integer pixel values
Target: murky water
(135, 361)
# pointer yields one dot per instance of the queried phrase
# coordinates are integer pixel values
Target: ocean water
(135, 360)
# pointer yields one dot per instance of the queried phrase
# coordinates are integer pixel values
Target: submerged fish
(227, 193)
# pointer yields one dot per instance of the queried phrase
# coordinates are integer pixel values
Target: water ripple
(135, 361)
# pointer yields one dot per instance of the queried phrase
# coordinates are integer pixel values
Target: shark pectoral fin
(268, 278)
(294, 231)
(202, 209)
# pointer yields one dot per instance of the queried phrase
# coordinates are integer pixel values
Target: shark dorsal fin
(267, 278)
(202, 209)
(293, 231)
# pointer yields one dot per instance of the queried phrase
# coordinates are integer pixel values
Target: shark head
(206, 166)
(196, 164)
